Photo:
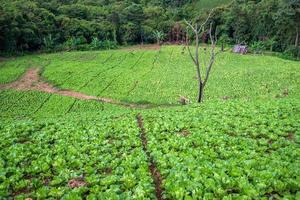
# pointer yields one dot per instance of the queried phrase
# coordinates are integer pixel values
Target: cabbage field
(108, 125)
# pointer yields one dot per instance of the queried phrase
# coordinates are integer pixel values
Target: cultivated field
(108, 125)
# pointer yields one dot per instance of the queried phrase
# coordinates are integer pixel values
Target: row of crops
(228, 151)
(31, 104)
(220, 150)
(42, 160)
(160, 76)
(245, 146)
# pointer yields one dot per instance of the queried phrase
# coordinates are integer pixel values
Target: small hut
(241, 49)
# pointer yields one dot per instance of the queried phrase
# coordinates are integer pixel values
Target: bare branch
(212, 60)
(190, 25)
(204, 23)
(212, 55)
(204, 56)
(189, 50)
(210, 35)
(216, 37)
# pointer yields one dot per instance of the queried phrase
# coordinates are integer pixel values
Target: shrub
(258, 47)
(48, 42)
(270, 43)
(74, 43)
(96, 44)
(292, 52)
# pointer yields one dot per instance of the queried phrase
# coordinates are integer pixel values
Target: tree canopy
(30, 25)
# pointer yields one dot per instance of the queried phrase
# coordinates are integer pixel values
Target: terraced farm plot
(137, 141)
(51, 160)
(235, 151)
(161, 76)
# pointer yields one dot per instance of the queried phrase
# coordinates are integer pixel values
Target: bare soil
(2, 59)
(156, 176)
(143, 47)
(76, 183)
(291, 137)
(184, 133)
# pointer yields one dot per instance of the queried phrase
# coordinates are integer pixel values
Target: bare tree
(202, 67)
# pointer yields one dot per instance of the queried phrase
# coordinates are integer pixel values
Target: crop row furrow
(71, 106)
(119, 74)
(101, 72)
(153, 64)
(15, 102)
(156, 176)
(137, 61)
(132, 88)
(84, 71)
(42, 104)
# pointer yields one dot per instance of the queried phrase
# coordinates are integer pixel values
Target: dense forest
(31, 25)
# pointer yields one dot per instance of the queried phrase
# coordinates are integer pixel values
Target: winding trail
(31, 81)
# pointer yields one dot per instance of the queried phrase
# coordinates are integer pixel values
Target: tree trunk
(142, 39)
(115, 35)
(297, 37)
(201, 91)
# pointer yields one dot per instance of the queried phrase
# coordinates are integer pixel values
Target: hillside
(35, 25)
(209, 4)
(107, 124)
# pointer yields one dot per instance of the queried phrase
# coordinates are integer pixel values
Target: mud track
(31, 80)
(156, 176)
(143, 47)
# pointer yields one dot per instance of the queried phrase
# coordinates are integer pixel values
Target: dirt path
(143, 47)
(31, 81)
(156, 176)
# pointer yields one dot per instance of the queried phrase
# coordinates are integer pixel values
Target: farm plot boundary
(31, 80)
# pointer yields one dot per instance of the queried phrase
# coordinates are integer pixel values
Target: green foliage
(270, 43)
(258, 47)
(156, 74)
(272, 22)
(26, 24)
(96, 44)
(244, 146)
(292, 52)
(227, 150)
(159, 36)
(48, 42)
(43, 156)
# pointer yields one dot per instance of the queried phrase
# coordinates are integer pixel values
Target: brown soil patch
(156, 176)
(47, 181)
(2, 59)
(31, 81)
(76, 183)
(285, 92)
(21, 191)
(225, 98)
(107, 171)
(291, 137)
(143, 47)
(184, 133)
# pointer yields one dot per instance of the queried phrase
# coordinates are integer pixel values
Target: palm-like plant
(159, 36)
